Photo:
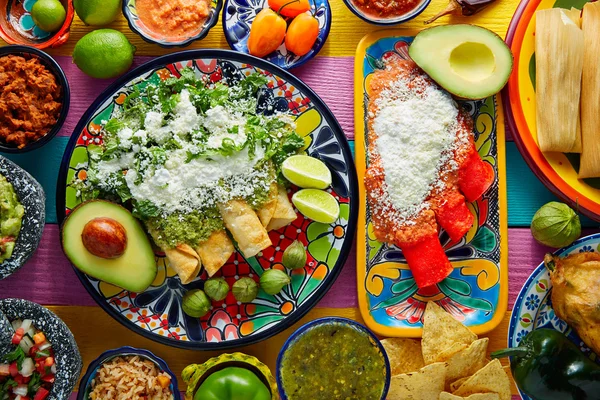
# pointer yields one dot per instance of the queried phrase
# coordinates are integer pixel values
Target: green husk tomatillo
(294, 257)
(273, 280)
(195, 303)
(216, 288)
(245, 290)
(556, 225)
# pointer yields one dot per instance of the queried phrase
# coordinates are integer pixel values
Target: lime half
(306, 172)
(317, 205)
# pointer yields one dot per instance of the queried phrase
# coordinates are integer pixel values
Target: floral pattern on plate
(533, 307)
(237, 20)
(156, 313)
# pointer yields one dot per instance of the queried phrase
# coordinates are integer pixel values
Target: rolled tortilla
(245, 227)
(284, 211)
(184, 261)
(265, 213)
(215, 251)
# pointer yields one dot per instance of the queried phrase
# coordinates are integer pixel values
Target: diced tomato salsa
(28, 372)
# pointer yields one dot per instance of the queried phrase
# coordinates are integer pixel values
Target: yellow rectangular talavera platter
(476, 291)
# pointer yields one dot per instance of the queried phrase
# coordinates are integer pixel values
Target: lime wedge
(306, 172)
(317, 205)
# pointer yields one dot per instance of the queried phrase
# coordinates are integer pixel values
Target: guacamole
(333, 361)
(11, 215)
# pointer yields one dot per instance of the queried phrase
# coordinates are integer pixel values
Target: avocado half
(134, 270)
(468, 61)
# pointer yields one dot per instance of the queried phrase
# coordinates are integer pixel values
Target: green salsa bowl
(333, 358)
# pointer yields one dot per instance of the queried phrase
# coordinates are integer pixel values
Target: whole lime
(48, 15)
(97, 12)
(556, 225)
(104, 53)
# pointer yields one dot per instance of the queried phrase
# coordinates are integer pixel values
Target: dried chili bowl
(85, 386)
(31, 52)
(417, 7)
(66, 352)
(17, 26)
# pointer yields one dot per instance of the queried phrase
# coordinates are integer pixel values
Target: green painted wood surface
(525, 192)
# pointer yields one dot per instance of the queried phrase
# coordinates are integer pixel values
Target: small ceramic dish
(137, 25)
(332, 321)
(386, 21)
(32, 197)
(66, 353)
(85, 385)
(237, 19)
(48, 62)
(17, 26)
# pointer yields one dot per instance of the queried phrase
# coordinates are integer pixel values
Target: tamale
(559, 63)
(575, 16)
(590, 93)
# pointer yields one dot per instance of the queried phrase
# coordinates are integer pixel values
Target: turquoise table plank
(525, 192)
(44, 164)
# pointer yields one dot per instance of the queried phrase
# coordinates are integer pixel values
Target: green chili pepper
(233, 383)
(548, 366)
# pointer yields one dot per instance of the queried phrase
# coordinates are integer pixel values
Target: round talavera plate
(238, 16)
(66, 352)
(157, 312)
(558, 171)
(533, 308)
(32, 197)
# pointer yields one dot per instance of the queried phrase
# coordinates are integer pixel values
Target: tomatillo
(233, 383)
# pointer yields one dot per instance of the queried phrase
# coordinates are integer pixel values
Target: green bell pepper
(548, 366)
(233, 383)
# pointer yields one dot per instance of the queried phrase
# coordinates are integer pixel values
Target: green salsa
(333, 361)
(191, 228)
(11, 215)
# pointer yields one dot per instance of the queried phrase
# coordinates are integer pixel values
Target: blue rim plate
(533, 307)
(84, 384)
(156, 314)
(387, 21)
(332, 321)
(136, 25)
(237, 19)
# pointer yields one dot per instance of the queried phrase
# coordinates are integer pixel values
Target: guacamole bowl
(31, 195)
(326, 351)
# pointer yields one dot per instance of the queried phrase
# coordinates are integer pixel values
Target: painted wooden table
(48, 278)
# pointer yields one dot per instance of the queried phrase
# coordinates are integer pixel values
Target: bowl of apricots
(288, 33)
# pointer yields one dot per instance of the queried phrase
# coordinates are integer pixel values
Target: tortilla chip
(425, 384)
(466, 362)
(405, 355)
(490, 379)
(441, 331)
(457, 383)
(477, 396)
(449, 352)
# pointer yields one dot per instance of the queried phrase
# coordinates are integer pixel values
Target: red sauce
(386, 8)
(175, 19)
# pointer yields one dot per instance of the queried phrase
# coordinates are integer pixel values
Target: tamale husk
(559, 64)
(575, 15)
(590, 93)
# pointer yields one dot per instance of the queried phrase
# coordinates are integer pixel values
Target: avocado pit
(104, 237)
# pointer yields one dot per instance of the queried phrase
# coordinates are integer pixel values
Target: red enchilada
(423, 165)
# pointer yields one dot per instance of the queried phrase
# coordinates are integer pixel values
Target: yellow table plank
(346, 29)
(95, 332)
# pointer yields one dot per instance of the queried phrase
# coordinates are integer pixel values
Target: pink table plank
(49, 279)
(325, 77)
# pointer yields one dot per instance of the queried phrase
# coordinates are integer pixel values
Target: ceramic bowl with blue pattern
(533, 307)
(85, 386)
(137, 25)
(237, 19)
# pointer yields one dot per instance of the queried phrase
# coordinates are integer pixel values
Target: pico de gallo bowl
(28, 372)
(39, 358)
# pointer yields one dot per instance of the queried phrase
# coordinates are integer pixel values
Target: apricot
(104, 237)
